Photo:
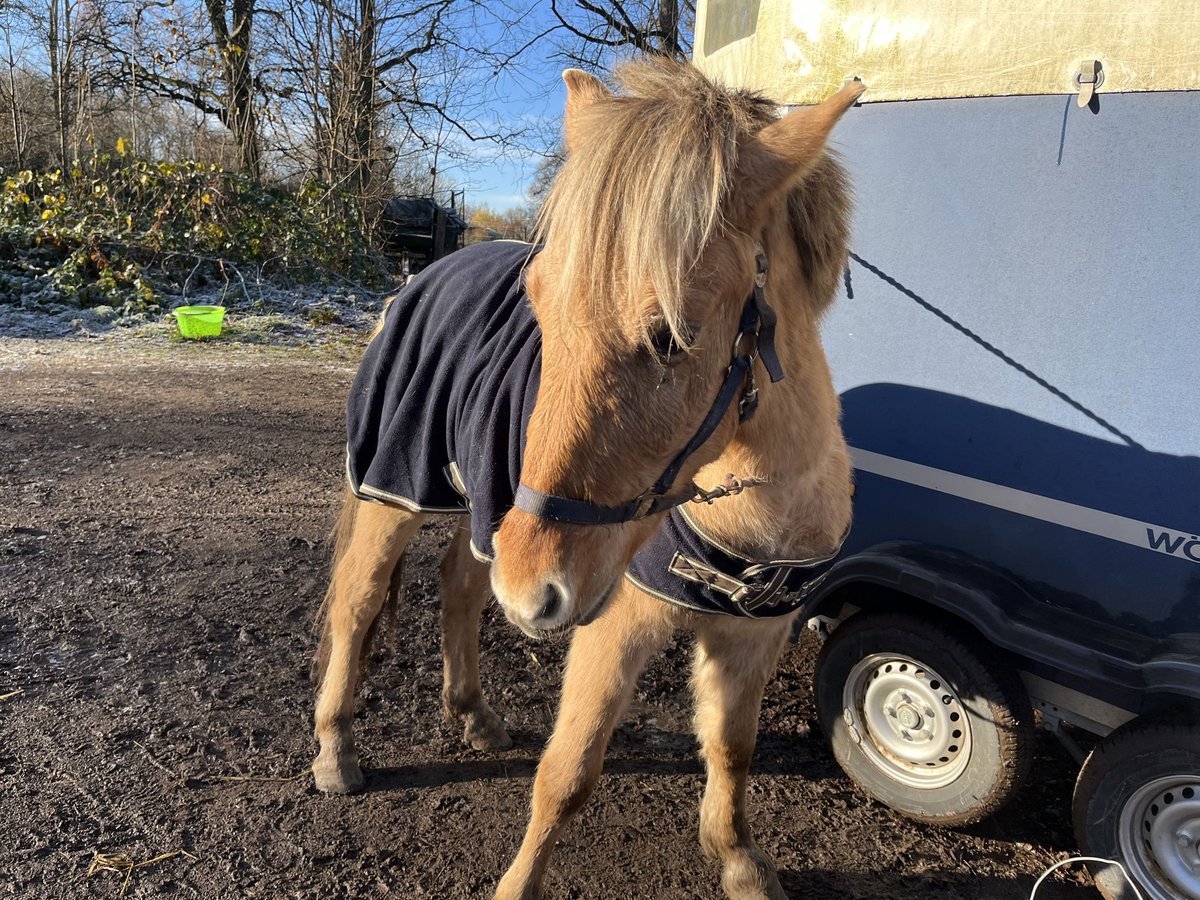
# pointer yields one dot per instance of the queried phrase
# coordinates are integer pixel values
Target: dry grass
(123, 865)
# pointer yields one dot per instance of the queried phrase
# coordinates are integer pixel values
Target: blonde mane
(637, 208)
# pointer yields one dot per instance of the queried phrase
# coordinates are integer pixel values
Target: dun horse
(689, 246)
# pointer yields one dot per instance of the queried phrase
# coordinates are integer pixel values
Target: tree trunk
(14, 108)
(668, 24)
(233, 43)
(59, 72)
(362, 111)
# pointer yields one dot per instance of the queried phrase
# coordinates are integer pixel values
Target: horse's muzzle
(549, 577)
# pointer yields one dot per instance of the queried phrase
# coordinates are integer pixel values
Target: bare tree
(17, 114)
(232, 24)
(200, 55)
(597, 30)
(332, 67)
(57, 25)
(48, 98)
(380, 38)
(379, 97)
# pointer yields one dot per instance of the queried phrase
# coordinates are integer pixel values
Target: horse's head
(650, 234)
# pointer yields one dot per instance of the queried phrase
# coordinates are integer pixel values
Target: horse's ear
(582, 91)
(784, 152)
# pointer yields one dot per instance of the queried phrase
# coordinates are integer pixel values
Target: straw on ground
(122, 864)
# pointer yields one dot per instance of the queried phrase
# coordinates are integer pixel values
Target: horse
(681, 209)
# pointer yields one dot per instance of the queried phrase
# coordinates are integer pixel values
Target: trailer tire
(1137, 796)
(924, 716)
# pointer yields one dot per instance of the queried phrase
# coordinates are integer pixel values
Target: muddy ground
(163, 514)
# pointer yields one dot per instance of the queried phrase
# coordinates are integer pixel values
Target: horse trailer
(1016, 354)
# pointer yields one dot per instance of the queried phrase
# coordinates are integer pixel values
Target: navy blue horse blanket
(438, 410)
(437, 417)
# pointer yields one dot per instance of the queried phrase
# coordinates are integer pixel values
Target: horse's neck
(793, 443)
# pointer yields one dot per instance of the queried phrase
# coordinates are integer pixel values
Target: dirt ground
(163, 515)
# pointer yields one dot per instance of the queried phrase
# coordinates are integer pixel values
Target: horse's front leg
(603, 665)
(465, 592)
(734, 660)
(371, 540)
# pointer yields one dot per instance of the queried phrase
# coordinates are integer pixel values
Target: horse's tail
(342, 534)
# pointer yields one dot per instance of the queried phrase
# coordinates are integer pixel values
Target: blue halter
(755, 339)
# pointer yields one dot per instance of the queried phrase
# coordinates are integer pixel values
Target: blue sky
(528, 95)
(500, 185)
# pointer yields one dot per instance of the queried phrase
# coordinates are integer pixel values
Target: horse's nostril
(552, 601)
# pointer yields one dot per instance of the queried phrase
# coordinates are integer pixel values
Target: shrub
(117, 231)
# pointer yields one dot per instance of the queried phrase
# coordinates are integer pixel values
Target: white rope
(1098, 859)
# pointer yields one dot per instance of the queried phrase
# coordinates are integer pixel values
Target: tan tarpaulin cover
(799, 51)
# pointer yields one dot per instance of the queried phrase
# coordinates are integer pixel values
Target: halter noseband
(755, 339)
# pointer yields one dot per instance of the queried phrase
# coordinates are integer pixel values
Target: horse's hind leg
(734, 660)
(465, 592)
(602, 669)
(371, 541)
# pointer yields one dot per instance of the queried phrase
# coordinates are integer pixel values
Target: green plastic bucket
(199, 321)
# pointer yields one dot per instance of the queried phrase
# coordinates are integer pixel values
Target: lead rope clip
(730, 486)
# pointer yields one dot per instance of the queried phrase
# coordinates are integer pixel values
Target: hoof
(340, 776)
(750, 876)
(483, 730)
(487, 737)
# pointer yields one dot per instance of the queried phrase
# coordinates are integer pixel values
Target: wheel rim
(907, 720)
(1160, 837)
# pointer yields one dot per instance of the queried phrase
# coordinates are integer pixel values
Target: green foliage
(117, 231)
(323, 315)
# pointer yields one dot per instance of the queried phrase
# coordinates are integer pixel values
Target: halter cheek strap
(755, 339)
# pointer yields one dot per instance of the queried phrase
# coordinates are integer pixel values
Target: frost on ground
(259, 313)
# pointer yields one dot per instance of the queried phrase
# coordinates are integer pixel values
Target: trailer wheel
(1137, 801)
(924, 717)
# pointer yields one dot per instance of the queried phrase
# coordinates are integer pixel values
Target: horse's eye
(664, 344)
